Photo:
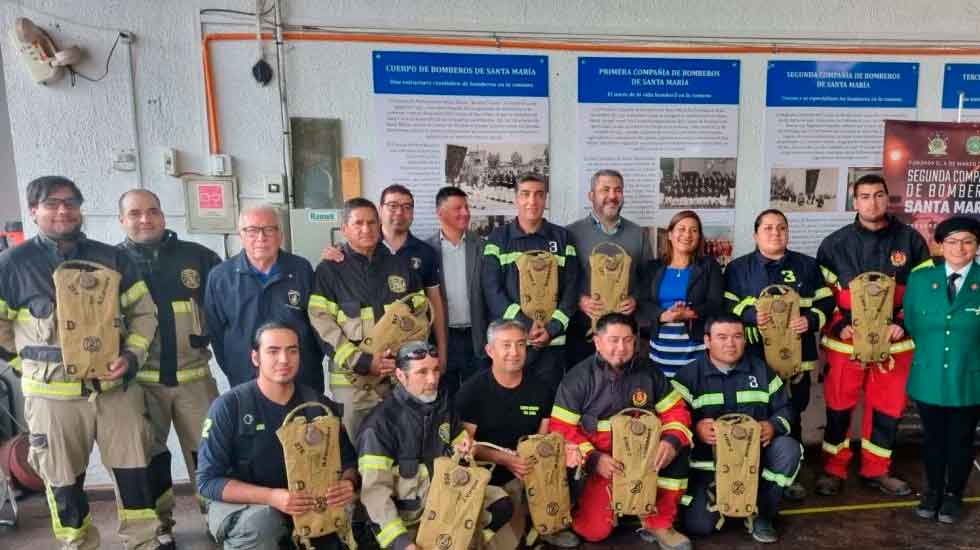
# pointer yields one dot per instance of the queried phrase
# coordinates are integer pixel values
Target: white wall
(74, 131)
(9, 207)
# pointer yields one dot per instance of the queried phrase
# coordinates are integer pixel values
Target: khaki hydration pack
(89, 322)
(453, 506)
(311, 449)
(406, 319)
(872, 303)
(737, 456)
(538, 272)
(610, 276)
(636, 436)
(546, 484)
(783, 346)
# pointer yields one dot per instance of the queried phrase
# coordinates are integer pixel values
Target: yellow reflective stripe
(390, 532)
(927, 263)
(830, 448)
(785, 424)
(746, 302)
(366, 314)
(828, 276)
(16, 363)
(142, 514)
(731, 296)
(686, 500)
(703, 465)
(343, 353)
(491, 250)
(24, 316)
(557, 341)
(559, 316)
(806, 302)
(751, 396)
(585, 447)
(708, 399)
(808, 365)
(181, 306)
(604, 426)
(560, 260)
(669, 401)
(904, 345)
(511, 311)
(679, 426)
(61, 389)
(138, 341)
(775, 384)
(681, 389)
(841, 347)
(570, 250)
(565, 415)
(672, 484)
(186, 375)
(60, 531)
(822, 292)
(338, 379)
(133, 295)
(867, 445)
(821, 318)
(509, 258)
(753, 335)
(260, 427)
(459, 437)
(778, 479)
(375, 462)
(6, 312)
(319, 302)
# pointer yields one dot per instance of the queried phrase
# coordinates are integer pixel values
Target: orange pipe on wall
(506, 43)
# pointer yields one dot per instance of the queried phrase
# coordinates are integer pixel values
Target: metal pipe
(287, 138)
(128, 39)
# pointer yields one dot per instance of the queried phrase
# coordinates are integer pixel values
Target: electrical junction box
(274, 188)
(221, 165)
(211, 204)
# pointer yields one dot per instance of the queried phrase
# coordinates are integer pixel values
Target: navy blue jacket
(237, 303)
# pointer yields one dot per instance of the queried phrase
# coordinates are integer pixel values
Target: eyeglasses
(253, 231)
(72, 203)
(396, 206)
(413, 351)
(960, 242)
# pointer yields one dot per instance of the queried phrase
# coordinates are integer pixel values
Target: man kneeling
(241, 468)
(724, 381)
(612, 379)
(398, 443)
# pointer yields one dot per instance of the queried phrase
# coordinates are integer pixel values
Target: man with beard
(876, 241)
(603, 224)
(65, 413)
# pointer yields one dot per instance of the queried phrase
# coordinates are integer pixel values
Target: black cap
(954, 224)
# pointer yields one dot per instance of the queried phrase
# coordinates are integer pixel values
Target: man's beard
(428, 397)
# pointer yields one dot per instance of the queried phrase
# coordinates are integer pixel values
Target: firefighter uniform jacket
(750, 388)
(176, 272)
(593, 392)
(349, 296)
(501, 281)
(745, 278)
(895, 250)
(28, 324)
(396, 448)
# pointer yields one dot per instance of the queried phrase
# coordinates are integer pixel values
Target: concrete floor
(887, 528)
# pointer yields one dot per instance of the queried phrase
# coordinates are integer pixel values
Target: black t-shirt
(503, 415)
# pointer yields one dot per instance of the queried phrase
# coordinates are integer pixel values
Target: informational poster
(961, 79)
(475, 121)
(670, 126)
(824, 130)
(933, 172)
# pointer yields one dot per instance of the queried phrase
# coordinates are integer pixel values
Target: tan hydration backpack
(782, 344)
(636, 436)
(408, 318)
(872, 303)
(546, 485)
(89, 322)
(538, 272)
(737, 466)
(311, 448)
(454, 504)
(610, 276)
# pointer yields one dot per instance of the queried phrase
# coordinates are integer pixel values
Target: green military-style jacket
(946, 367)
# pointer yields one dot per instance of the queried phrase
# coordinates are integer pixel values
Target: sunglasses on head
(414, 351)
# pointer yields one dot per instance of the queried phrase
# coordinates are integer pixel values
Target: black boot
(928, 506)
(949, 512)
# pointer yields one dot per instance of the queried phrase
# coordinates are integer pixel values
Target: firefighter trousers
(884, 401)
(62, 433)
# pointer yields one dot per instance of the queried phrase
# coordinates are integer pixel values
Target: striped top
(672, 348)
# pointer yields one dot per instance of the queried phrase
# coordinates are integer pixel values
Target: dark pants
(780, 464)
(462, 360)
(579, 346)
(799, 400)
(947, 448)
(547, 364)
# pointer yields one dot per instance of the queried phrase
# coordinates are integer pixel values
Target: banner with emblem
(933, 172)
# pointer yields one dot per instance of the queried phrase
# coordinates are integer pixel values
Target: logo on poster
(938, 144)
(973, 145)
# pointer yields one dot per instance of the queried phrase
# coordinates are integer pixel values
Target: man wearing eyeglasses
(398, 444)
(47, 286)
(259, 284)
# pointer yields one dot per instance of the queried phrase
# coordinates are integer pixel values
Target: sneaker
(949, 512)
(666, 539)
(763, 531)
(562, 539)
(795, 492)
(928, 506)
(891, 486)
(828, 485)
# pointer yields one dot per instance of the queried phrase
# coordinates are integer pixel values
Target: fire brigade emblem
(397, 284)
(639, 397)
(191, 278)
(898, 258)
(416, 263)
(444, 432)
(938, 144)
(293, 297)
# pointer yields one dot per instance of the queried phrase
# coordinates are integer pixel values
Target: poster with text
(670, 126)
(961, 79)
(933, 172)
(824, 130)
(475, 121)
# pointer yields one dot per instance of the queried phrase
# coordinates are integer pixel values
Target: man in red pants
(875, 241)
(589, 396)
